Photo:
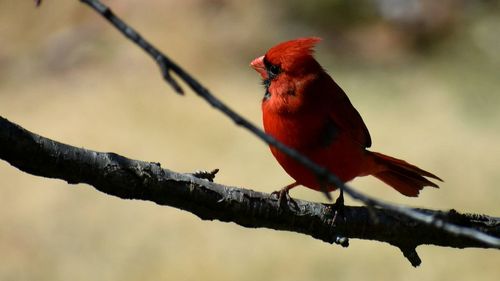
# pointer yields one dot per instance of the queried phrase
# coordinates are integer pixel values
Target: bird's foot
(338, 208)
(284, 198)
(338, 211)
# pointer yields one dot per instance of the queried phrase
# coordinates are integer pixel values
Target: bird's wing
(343, 113)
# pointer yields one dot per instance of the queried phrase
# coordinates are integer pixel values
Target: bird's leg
(337, 209)
(339, 206)
(284, 197)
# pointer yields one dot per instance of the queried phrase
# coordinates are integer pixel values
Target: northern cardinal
(306, 110)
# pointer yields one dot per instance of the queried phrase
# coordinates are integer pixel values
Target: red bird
(306, 110)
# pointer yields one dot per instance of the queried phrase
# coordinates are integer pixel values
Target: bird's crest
(286, 54)
(293, 48)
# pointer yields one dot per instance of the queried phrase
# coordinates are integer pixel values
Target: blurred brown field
(427, 89)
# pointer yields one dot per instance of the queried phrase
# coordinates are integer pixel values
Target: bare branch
(132, 179)
(167, 65)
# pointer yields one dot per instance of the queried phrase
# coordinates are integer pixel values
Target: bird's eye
(274, 70)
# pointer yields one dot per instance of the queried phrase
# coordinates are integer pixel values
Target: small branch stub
(411, 255)
(206, 175)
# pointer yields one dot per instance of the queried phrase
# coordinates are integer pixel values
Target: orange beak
(258, 65)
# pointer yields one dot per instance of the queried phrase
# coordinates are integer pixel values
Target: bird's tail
(401, 175)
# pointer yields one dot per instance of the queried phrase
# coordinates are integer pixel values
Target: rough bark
(133, 179)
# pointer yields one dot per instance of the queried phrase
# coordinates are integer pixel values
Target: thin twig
(167, 65)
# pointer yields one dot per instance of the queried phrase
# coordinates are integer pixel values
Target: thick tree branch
(132, 179)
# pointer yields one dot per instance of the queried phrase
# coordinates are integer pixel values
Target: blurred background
(424, 74)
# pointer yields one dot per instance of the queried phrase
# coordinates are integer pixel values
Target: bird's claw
(338, 208)
(284, 198)
(338, 211)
